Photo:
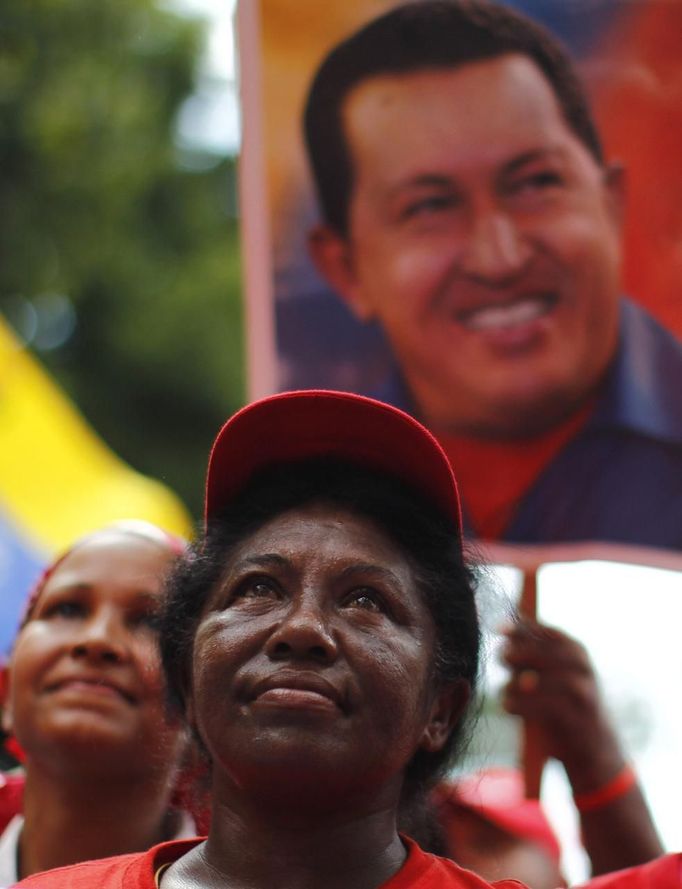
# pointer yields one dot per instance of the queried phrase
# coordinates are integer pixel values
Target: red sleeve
(422, 870)
(135, 871)
(662, 873)
(107, 873)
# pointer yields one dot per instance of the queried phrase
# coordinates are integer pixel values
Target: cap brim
(293, 426)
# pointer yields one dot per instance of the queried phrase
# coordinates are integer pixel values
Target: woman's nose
(101, 638)
(304, 633)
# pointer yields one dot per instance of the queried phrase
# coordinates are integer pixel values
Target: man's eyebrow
(422, 180)
(529, 157)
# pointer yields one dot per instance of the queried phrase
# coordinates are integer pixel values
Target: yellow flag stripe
(57, 478)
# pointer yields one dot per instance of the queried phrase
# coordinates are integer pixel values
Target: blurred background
(119, 262)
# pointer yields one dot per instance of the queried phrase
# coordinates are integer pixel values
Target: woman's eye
(149, 619)
(65, 609)
(257, 589)
(366, 599)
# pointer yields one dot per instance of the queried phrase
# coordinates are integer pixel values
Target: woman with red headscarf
(85, 702)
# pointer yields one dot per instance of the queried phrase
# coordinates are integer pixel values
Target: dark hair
(428, 538)
(422, 35)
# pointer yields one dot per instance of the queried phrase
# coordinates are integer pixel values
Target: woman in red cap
(321, 640)
(85, 700)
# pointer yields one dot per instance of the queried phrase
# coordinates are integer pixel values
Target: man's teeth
(496, 317)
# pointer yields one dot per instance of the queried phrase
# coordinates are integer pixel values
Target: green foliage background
(98, 205)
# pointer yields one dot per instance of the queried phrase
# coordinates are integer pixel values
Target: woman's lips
(94, 687)
(295, 699)
(293, 691)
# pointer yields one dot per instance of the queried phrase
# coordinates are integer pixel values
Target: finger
(539, 650)
(549, 697)
(525, 629)
(527, 680)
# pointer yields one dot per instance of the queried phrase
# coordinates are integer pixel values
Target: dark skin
(310, 638)
(553, 684)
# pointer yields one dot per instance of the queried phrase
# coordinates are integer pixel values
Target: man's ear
(333, 258)
(447, 709)
(616, 184)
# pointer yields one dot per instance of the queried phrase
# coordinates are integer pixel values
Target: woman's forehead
(111, 559)
(305, 526)
(118, 534)
(116, 549)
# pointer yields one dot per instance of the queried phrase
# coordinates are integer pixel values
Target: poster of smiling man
(447, 208)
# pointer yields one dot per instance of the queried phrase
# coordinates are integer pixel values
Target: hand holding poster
(589, 666)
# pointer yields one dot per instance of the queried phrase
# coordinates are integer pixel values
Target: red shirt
(11, 797)
(494, 476)
(420, 871)
(662, 873)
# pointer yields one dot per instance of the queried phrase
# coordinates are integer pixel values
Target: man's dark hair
(427, 538)
(428, 34)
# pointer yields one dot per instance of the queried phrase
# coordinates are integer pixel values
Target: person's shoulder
(133, 871)
(641, 392)
(647, 339)
(450, 874)
(105, 873)
(445, 874)
(635, 319)
(422, 870)
(661, 873)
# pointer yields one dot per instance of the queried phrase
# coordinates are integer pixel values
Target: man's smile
(504, 316)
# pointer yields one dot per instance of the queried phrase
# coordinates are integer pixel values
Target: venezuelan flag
(57, 479)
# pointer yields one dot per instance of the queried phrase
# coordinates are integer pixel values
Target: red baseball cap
(294, 426)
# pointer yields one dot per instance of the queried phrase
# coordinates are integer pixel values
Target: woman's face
(312, 665)
(85, 674)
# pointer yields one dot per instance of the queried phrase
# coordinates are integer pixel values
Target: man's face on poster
(484, 237)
